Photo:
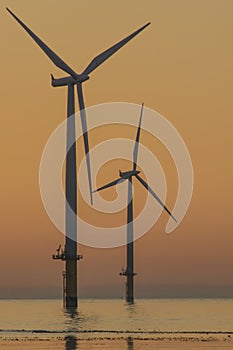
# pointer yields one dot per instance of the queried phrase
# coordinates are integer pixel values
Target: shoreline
(130, 343)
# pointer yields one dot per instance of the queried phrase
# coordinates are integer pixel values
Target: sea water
(111, 319)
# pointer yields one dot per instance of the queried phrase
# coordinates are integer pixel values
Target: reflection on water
(71, 343)
(74, 320)
(114, 318)
(71, 312)
(133, 310)
(130, 345)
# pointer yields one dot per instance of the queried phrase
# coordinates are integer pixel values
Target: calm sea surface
(113, 319)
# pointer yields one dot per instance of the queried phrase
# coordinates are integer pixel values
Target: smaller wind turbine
(128, 175)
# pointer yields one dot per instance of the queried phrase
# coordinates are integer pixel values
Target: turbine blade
(86, 146)
(135, 152)
(155, 196)
(52, 55)
(85, 136)
(98, 60)
(110, 184)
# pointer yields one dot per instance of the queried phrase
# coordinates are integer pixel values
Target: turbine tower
(128, 175)
(69, 254)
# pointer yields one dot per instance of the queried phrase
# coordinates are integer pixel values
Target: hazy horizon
(142, 292)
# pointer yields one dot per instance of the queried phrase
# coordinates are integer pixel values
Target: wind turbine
(128, 175)
(69, 255)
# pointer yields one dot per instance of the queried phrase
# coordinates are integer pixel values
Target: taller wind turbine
(69, 254)
(128, 175)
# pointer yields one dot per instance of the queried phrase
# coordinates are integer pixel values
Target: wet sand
(187, 341)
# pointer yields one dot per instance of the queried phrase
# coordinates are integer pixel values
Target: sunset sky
(180, 66)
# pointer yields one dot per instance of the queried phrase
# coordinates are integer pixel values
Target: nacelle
(68, 80)
(127, 174)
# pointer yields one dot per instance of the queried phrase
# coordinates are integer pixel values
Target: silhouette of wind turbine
(128, 175)
(77, 79)
(69, 255)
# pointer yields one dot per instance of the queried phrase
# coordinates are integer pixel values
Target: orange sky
(181, 66)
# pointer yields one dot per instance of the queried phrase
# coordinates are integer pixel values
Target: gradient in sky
(180, 66)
